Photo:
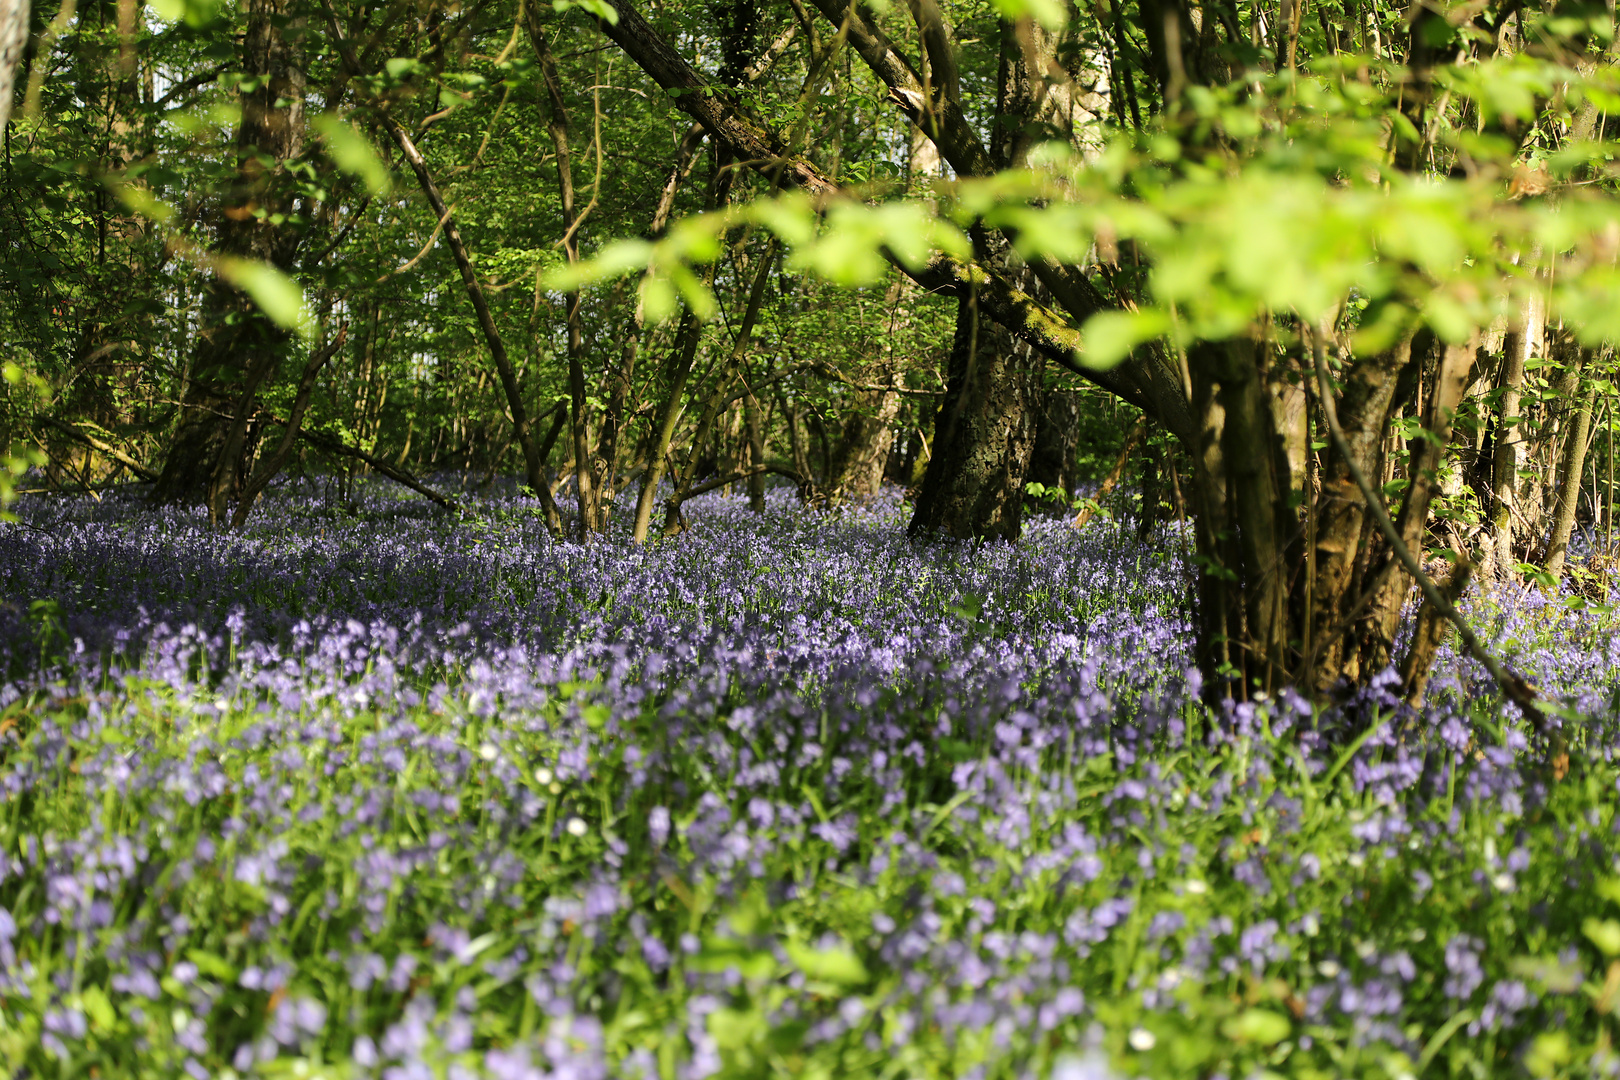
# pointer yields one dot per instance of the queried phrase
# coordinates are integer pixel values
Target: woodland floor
(373, 790)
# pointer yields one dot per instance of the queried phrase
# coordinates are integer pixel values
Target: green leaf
(1551, 972)
(617, 259)
(277, 295)
(694, 292)
(726, 954)
(197, 14)
(1260, 1026)
(400, 68)
(1049, 13)
(352, 153)
(734, 1029)
(1547, 1052)
(1111, 335)
(600, 8)
(838, 965)
(215, 967)
(1604, 933)
(658, 299)
(141, 201)
(99, 1009)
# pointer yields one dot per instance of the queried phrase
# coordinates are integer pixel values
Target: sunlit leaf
(1604, 933)
(838, 965)
(1260, 1026)
(600, 8)
(1110, 336)
(353, 153)
(659, 301)
(197, 14)
(141, 201)
(278, 296)
(1051, 14)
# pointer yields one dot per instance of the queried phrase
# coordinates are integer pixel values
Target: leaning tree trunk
(1569, 480)
(238, 347)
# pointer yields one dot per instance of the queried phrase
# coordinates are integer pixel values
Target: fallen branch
(337, 446)
(720, 482)
(675, 520)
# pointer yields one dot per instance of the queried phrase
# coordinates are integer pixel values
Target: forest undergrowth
(369, 790)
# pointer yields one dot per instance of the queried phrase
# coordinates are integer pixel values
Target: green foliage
(277, 295)
(18, 459)
(353, 153)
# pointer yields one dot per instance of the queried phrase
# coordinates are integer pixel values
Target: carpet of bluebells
(371, 790)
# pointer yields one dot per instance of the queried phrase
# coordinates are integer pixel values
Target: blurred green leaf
(599, 8)
(1110, 336)
(838, 965)
(1259, 1026)
(197, 14)
(278, 296)
(1604, 933)
(352, 153)
(141, 201)
(1051, 14)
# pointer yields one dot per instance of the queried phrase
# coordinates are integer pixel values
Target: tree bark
(684, 477)
(1569, 482)
(1057, 435)
(756, 453)
(1521, 342)
(678, 370)
(238, 347)
(984, 433)
(13, 40)
(272, 463)
(863, 448)
(585, 482)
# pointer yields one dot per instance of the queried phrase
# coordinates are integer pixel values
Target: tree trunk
(863, 449)
(1057, 435)
(756, 453)
(1521, 342)
(684, 477)
(1300, 579)
(585, 480)
(1569, 481)
(13, 39)
(238, 347)
(677, 371)
(984, 433)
